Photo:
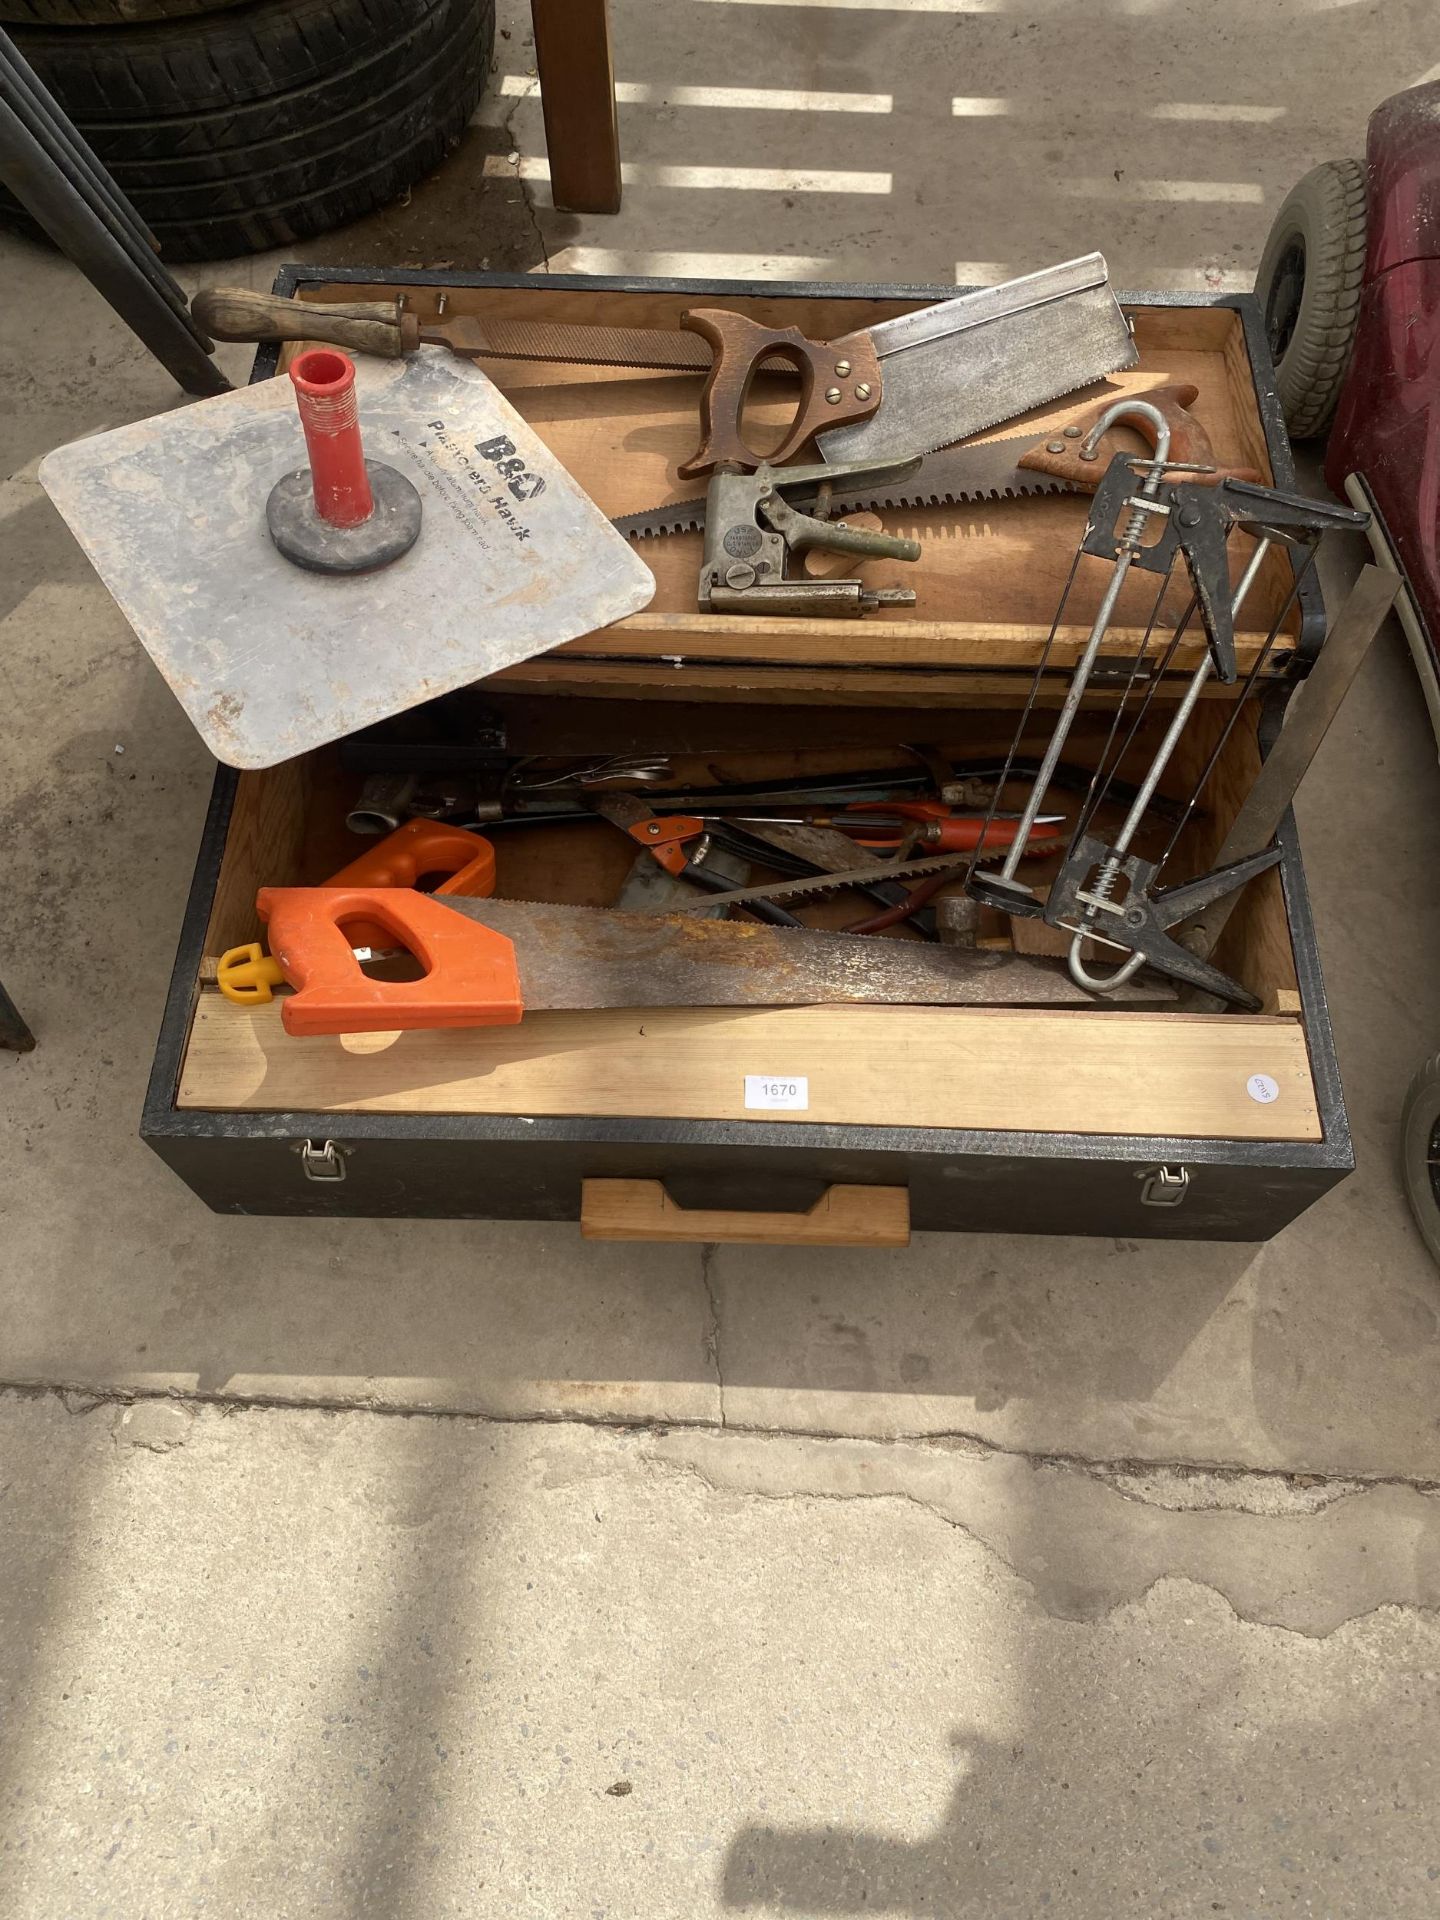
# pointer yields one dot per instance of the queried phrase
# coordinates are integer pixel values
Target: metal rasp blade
(585, 957)
(958, 474)
(954, 369)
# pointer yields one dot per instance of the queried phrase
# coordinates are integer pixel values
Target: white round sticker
(1262, 1088)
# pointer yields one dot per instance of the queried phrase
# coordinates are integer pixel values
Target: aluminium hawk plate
(270, 660)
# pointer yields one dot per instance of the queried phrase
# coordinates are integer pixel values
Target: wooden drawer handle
(841, 1217)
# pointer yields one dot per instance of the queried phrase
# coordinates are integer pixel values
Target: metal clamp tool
(1087, 898)
(751, 530)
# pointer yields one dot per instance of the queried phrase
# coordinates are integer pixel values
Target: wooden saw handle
(1189, 443)
(361, 326)
(739, 345)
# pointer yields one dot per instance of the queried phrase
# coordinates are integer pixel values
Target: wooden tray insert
(1080, 1070)
(990, 577)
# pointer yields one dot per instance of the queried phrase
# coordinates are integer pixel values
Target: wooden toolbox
(1075, 1120)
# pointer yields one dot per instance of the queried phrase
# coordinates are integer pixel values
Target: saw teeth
(650, 526)
(653, 531)
(829, 882)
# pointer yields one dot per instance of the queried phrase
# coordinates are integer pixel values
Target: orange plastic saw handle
(422, 847)
(1059, 453)
(471, 975)
(411, 853)
(837, 385)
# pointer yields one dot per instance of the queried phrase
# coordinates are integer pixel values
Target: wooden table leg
(577, 92)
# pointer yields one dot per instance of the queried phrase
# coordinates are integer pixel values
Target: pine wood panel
(1255, 946)
(988, 569)
(744, 682)
(265, 837)
(841, 1217)
(936, 643)
(1082, 1072)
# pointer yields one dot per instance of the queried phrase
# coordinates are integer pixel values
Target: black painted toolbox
(1073, 1120)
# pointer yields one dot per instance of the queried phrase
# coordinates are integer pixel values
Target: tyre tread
(259, 128)
(1329, 204)
(1417, 1123)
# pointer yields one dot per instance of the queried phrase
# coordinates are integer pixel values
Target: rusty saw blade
(808, 883)
(585, 957)
(989, 471)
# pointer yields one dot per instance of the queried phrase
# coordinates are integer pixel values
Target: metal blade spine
(1002, 301)
(999, 418)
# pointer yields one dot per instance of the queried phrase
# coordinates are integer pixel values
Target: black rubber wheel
(102, 13)
(1309, 284)
(1420, 1152)
(258, 125)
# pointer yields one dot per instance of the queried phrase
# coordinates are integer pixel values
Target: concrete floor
(405, 1570)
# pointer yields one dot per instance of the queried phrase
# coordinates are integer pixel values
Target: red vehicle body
(1350, 284)
(1384, 449)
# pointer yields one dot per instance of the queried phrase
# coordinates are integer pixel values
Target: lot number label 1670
(771, 1091)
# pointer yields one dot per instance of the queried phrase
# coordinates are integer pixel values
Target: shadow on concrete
(472, 214)
(834, 1870)
(973, 141)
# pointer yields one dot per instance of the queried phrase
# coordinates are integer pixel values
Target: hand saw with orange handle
(488, 963)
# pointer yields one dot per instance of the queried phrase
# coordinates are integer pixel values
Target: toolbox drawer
(1065, 1120)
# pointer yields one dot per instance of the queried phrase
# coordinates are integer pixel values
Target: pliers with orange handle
(667, 837)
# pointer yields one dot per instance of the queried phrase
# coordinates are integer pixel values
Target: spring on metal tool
(1084, 898)
(1130, 543)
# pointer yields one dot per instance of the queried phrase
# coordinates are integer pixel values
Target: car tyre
(259, 125)
(102, 13)
(1420, 1152)
(1309, 284)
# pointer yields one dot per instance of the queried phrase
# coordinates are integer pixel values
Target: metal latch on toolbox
(1164, 1186)
(325, 1163)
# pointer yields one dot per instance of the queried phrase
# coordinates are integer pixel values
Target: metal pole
(39, 183)
(15, 1036)
(1129, 543)
(1079, 973)
(1307, 721)
(41, 114)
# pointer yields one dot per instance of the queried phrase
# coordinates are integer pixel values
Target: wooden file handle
(360, 326)
(739, 345)
(841, 1217)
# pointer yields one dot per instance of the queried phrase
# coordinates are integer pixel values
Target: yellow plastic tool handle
(248, 975)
